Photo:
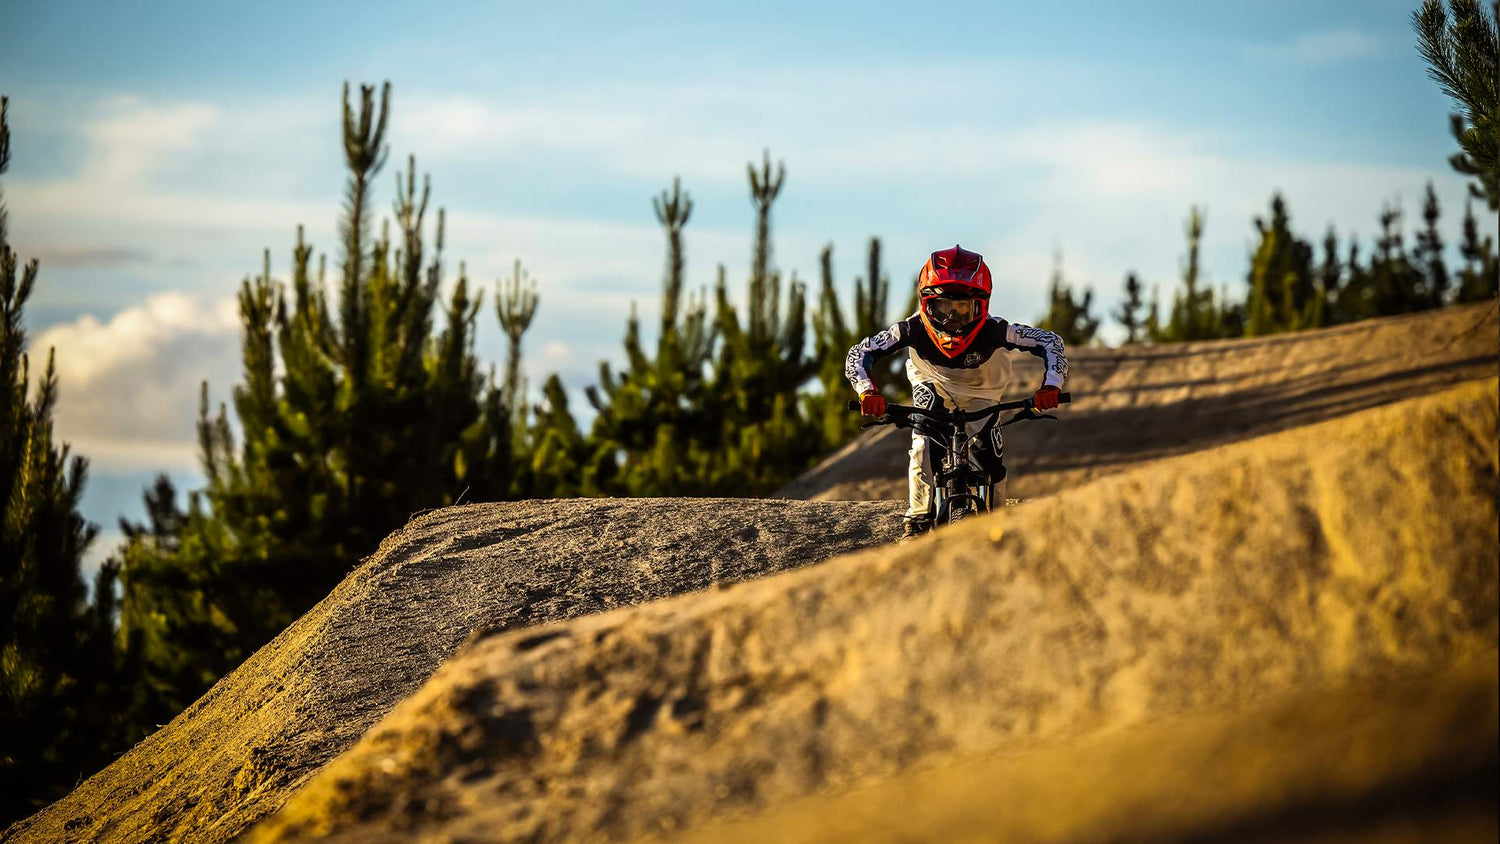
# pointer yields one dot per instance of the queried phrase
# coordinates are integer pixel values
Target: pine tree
(515, 308)
(349, 423)
(1129, 315)
(1283, 288)
(653, 434)
(559, 452)
(762, 363)
(1481, 273)
(1355, 299)
(1428, 255)
(1154, 331)
(1396, 285)
(1462, 50)
(834, 336)
(1195, 316)
(56, 651)
(1331, 274)
(1069, 318)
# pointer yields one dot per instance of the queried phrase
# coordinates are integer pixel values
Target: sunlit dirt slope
(244, 747)
(1270, 640)
(1142, 403)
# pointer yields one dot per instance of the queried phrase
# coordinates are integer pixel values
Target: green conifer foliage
(1395, 285)
(1129, 315)
(1284, 294)
(559, 452)
(347, 426)
(1195, 314)
(762, 363)
(1070, 318)
(515, 307)
(1331, 274)
(1478, 279)
(654, 433)
(1462, 49)
(833, 335)
(57, 662)
(1428, 255)
(1352, 300)
(1154, 331)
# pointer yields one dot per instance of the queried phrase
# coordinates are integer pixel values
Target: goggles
(952, 315)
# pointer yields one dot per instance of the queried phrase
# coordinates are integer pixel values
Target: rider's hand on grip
(871, 404)
(1046, 398)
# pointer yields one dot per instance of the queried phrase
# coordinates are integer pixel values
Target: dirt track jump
(1280, 552)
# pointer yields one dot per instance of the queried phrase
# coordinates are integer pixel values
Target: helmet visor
(951, 315)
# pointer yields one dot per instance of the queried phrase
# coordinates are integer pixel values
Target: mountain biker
(952, 342)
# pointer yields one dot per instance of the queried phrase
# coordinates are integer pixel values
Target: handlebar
(961, 416)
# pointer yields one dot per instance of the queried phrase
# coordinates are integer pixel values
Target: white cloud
(132, 137)
(1113, 197)
(172, 173)
(452, 123)
(128, 388)
(1324, 47)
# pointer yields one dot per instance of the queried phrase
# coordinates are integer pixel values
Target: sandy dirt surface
(244, 747)
(1411, 758)
(1259, 577)
(1139, 404)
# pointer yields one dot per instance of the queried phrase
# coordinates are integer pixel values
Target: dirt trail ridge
(1361, 550)
(1138, 404)
(1174, 567)
(239, 752)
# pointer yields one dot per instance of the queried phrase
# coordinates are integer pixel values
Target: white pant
(989, 456)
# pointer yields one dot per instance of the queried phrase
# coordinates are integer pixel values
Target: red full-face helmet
(954, 291)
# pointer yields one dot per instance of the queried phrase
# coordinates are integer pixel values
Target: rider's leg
(918, 471)
(991, 457)
(924, 455)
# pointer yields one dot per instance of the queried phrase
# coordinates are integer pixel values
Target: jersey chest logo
(972, 359)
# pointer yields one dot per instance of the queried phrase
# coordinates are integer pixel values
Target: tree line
(357, 409)
(1291, 284)
(354, 410)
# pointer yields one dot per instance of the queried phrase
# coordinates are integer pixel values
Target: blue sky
(158, 148)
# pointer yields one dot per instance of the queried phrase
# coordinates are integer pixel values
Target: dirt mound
(244, 747)
(1142, 403)
(1412, 758)
(1360, 550)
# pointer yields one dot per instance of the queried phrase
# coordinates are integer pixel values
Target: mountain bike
(960, 488)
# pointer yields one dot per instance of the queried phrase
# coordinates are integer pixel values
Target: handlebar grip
(1064, 398)
(853, 404)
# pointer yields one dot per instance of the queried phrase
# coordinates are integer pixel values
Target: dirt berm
(1306, 622)
(1140, 403)
(236, 754)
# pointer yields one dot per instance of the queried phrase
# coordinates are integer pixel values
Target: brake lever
(1030, 414)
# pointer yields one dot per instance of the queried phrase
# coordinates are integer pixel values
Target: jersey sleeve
(868, 351)
(1045, 345)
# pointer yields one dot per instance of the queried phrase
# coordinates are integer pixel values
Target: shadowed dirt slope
(1409, 758)
(239, 752)
(1141, 403)
(1258, 594)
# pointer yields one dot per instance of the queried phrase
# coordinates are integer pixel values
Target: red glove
(872, 404)
(1046, 398)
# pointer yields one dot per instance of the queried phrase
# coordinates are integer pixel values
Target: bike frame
(959, 487)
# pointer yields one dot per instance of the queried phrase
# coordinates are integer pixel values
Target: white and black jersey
(976, 373)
